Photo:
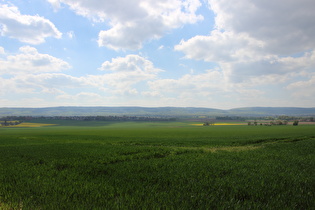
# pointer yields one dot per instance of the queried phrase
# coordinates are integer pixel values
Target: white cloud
(82, 96)
(282, 68)
(286, 26)
(222, 47)
(2, 50)
(55, 3)
(71, 34)
(302, 84)
(129, 28)
(25, 28)
(126, 77)
(49, 83)
(27, 101)
(201, 85)
(54, 80)
(161, 47)
(124, 73)
(208, 89)
(304, 89)
(130, 63)
(30, 61)
(211, 89)
(255, 39)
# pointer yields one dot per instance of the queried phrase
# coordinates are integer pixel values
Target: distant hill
(272, 111)
(157, 111)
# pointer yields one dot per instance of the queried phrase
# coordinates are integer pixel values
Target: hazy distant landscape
(158, 111)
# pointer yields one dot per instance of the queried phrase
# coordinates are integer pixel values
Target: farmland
(127, 165)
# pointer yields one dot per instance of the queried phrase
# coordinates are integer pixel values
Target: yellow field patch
(30, 125)
(201, 124)
(197, 124)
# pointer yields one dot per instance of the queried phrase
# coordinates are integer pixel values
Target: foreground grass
(157, 165)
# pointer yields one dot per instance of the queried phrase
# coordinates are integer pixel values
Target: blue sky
(201, 53)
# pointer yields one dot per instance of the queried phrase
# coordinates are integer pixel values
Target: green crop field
(156, 165)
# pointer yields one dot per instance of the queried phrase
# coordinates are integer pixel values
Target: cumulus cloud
(161, 47)
(55, 3)
(261, 48)
(206, 84)
(304, 89)
(25, 28)
(123, 73)
(208, 89)
(88, 97)
(129, 28)
(71, 34)
(222, 47)
(54, 80)
(51, 83)
(121, 76)
(2, 50)
(282, 68)
(257, 38)
(302, 84)
(129, 63)
(31, 61)
(285, 26)
(48, 89)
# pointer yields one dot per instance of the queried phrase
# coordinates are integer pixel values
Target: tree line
(85, 118)
(274, 122)
(10, 122)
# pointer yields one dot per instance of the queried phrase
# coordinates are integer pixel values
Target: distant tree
(208, 123)
(296, 122)
(279, 122)
(249, 123)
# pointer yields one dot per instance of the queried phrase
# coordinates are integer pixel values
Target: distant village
(15, 120)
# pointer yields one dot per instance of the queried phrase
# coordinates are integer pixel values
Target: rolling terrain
(157, 111)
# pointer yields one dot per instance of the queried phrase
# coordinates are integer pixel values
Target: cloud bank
(29, 61)
(26, 28)
(131, 23)
(253, 39)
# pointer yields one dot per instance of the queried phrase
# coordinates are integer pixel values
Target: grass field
(154, 165)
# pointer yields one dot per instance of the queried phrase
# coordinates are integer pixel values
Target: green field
(157, 165)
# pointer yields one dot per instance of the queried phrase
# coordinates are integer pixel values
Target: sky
(156, 53)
